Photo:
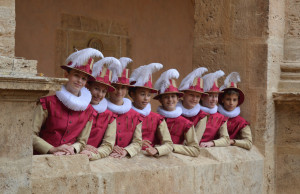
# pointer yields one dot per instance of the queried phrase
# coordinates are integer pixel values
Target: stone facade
(259, 39)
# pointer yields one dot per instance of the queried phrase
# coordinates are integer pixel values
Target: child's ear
(66, 74)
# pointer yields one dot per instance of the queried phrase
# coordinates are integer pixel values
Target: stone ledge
(286, 97)
(232, 170)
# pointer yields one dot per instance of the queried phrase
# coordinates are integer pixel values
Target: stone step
(289, 86)
(290, 76)
(290, 67)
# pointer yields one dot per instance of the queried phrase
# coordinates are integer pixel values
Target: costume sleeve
(224, 140)
(163, 133)
(200, 128)
(192, 146)
(244, 138)
(83, 137)
(40, 116)
(108, 142)
(136, 144)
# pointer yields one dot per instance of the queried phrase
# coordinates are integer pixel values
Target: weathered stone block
(120, 29)
(70, 22)
(89, 24)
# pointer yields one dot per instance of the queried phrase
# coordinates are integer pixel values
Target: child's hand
(207, 144)
(232, 142)
(91, 149)
(86, 152)
(149, 149)
(67, 148)
(118, 152)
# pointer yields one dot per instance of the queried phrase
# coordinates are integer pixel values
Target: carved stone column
(20, 89)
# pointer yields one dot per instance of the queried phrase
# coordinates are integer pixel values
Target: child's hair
(230, 92)
(131, 90)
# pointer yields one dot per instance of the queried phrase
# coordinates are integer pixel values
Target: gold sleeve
(83, 137)
(108, 142)
(39, 119)
(166, 146)
(224, 140)
(200, 128)
(244, 138)
(192, 146)
(136, 144)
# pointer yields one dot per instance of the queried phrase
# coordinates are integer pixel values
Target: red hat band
(85, 68)
(172, 87)
(215, 88)
(124, 77)
(104, 76)
(197, 85)
(233, 85)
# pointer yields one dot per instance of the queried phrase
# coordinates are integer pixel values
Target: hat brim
(128, 85)
(192, 91)
(153, 91)
(241, 95)
(157, 97)
(91, 78)
(110, 88)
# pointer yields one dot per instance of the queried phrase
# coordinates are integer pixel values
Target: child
(155, 130)
(129, 122)
(103, 133)
(62, 122)
(192, 86)
(230, 101)
(180, 128)
(215, 133)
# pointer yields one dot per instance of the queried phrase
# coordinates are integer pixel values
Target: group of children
(90, 114)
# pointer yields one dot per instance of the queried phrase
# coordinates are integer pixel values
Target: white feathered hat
(230, 83)
(193, 81)
(142, 76)
(166, 84)
(122, 77)
(82, 60)
(211, 82)
(102, 71)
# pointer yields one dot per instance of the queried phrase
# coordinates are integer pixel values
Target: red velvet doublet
(235, 124)
(214, 122)
(150, 125)
(100, 123)
(126, 124)
(63, 125)
(178, 127)
(195, 119)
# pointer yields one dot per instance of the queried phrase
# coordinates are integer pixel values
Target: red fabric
(171, 88)
(214, 88)
(100, 123)
(197, 87)
(63, 125)
(214, 122)
(105, 78)
(195, 119)
(126, 124)
(234, 125)
(177, 128)
(150, 125)
(86, 68)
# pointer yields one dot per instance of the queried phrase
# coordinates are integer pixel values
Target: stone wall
(216, 170)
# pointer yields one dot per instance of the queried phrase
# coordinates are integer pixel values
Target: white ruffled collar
(229, 114)
(120, 109)
(101, 107)
(75, 103)
(189, 112)
(210, 110)
(169, 114)
(146, 111)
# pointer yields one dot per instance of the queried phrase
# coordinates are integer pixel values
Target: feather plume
(80, 57)
(232, 77)
(124, 62)
(163, 81)
(189, 79)
(141, 74)
(112, 63)
(210, 78)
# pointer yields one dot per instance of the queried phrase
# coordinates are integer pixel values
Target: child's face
(169, 101)
(119, 93)
(141, 97)
(77, 81)
(98, 92)
(210, 100)
(230, 101)
(191, 99)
